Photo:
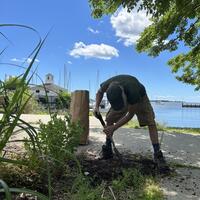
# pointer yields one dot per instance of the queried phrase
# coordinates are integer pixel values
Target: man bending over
(127, 97)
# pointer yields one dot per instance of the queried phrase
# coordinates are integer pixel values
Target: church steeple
(49, 79)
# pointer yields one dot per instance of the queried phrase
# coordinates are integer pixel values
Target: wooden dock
(191, 105)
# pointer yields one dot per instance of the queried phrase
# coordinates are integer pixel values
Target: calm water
(172, 114)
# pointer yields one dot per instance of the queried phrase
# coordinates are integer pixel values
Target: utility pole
(89, 89)
(69, 82)
(59, 78)
(89, 86)
(6, 77)
(64, 75)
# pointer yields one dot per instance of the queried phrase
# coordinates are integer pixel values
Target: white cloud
(101, 51)
(16, 60)
(69, 62)
(128, 26)
(92, 30)
(28, 60)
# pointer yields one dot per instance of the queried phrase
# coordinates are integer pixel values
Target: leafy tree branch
(174, 23)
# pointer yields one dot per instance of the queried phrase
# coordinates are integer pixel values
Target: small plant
(152, 191)
(58, 139)
(82, 190)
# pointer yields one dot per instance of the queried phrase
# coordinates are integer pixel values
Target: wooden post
(79, 110)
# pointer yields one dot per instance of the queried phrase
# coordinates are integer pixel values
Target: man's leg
(153, 133)
(145, 117)
(158, 155)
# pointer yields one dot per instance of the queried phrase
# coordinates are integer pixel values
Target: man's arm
(131, 111)
(127, 117)
(99, 97)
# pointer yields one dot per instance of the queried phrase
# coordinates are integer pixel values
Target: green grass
(91, 113)
(163, 127)
(132, 124)
(131, 185)
(194, 131)
(134, 185)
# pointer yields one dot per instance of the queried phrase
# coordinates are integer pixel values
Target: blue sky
(86, 46)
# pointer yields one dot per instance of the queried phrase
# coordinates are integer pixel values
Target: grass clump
(135, 185)
(83, 190)
(152, 191)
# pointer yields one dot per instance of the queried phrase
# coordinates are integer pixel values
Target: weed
(58, 140)
(82, 190)
(135, 185)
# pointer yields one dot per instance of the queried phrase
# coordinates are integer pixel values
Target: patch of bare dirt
(107, 170)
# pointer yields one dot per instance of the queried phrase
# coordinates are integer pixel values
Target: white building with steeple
(48, 89)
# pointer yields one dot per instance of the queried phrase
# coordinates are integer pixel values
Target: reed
(11, 119)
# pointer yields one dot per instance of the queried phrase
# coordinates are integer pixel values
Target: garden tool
(99, 117)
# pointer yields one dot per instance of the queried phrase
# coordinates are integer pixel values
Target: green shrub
(57, 141)
(63, 100)
(32, 105)
(12, 83)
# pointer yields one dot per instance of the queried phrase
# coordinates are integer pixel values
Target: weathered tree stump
(79, 110)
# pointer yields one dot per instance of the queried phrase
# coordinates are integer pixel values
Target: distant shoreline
(167, 101)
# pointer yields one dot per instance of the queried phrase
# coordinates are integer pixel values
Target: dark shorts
(144, 113)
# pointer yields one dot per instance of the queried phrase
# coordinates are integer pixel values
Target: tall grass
(43, 142)
(11, 119)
